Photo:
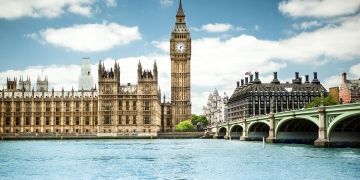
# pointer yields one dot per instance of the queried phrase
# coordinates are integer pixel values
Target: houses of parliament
(110, 106)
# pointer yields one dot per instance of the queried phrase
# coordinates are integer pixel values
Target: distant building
(334, 93)
(253, 98)
(349, 91)
(85, 79)
(215, 109)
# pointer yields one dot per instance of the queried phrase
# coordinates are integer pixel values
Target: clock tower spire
(180, 54)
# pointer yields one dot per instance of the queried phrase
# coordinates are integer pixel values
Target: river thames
(173, 159)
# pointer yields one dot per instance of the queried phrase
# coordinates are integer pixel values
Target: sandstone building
(110, 106)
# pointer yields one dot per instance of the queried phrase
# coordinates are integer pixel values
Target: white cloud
(81, 10)
(355, 71)
(90, 37)
(332, 81)
(216, 27)
(319, 8)
(166, 2)
(13, 9)
(111, 3)
(306, 25)
(257, 27)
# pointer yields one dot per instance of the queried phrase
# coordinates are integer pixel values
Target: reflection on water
(173, 159)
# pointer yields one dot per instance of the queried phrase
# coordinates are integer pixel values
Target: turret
(155, 71)
(11, 84)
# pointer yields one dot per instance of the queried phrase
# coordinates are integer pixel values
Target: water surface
(173, 159)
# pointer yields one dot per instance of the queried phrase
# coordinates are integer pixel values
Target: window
(27, 121)
(47, 107)
(127, 120)
(134, 105)
(168, 121)
(77, 121)
(67, 122)
(17, 106)
(127, 105)
(87, 106)
(77, 106)
(119, 120)
(47, 121)
(38, 108)
(146, 120)
(107, 120)
(67, 106)
(37, 121)
(120, 105)
(87, 121)
(146, 105)
(58, 107)
(57, 121)
(134, 119)
(7, 121)
(17, 121)
(28, 106)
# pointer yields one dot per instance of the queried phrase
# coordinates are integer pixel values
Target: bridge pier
(322, 140)
(271, 138)
(245, 136)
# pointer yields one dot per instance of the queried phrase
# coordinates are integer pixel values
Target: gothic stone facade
(113, 108)
(216, 109)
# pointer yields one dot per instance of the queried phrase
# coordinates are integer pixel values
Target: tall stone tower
(109, 84)
(180, 54)
(85, 79)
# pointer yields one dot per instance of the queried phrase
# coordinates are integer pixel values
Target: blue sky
(229, 38)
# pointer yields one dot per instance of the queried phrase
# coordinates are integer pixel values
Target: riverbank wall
(54, 136)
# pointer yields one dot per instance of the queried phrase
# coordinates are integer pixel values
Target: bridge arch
(258, 130)
(222, 132)
(300, 129)
(344, 130)
(236, 131)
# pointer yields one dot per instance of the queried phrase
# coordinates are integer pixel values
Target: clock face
(180, 47)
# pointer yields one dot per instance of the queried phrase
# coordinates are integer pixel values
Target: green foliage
(201, 118)
(326, 101)
(185, 126)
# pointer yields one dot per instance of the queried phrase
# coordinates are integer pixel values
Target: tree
(317, 101)
(201, 118)
(185, 126)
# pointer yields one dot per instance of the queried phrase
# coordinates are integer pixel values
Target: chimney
(251, 78)
(242, 82)
(246, 80)
(275, 80)
(343, 76)
(306, 78)
(315, 80)
(237, 84)
(257, 80)
(297, 80)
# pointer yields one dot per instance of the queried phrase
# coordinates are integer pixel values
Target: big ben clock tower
(180, 54)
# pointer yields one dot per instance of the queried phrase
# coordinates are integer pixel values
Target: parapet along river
(173, 159)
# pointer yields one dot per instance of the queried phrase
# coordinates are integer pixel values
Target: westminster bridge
(337, 125)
